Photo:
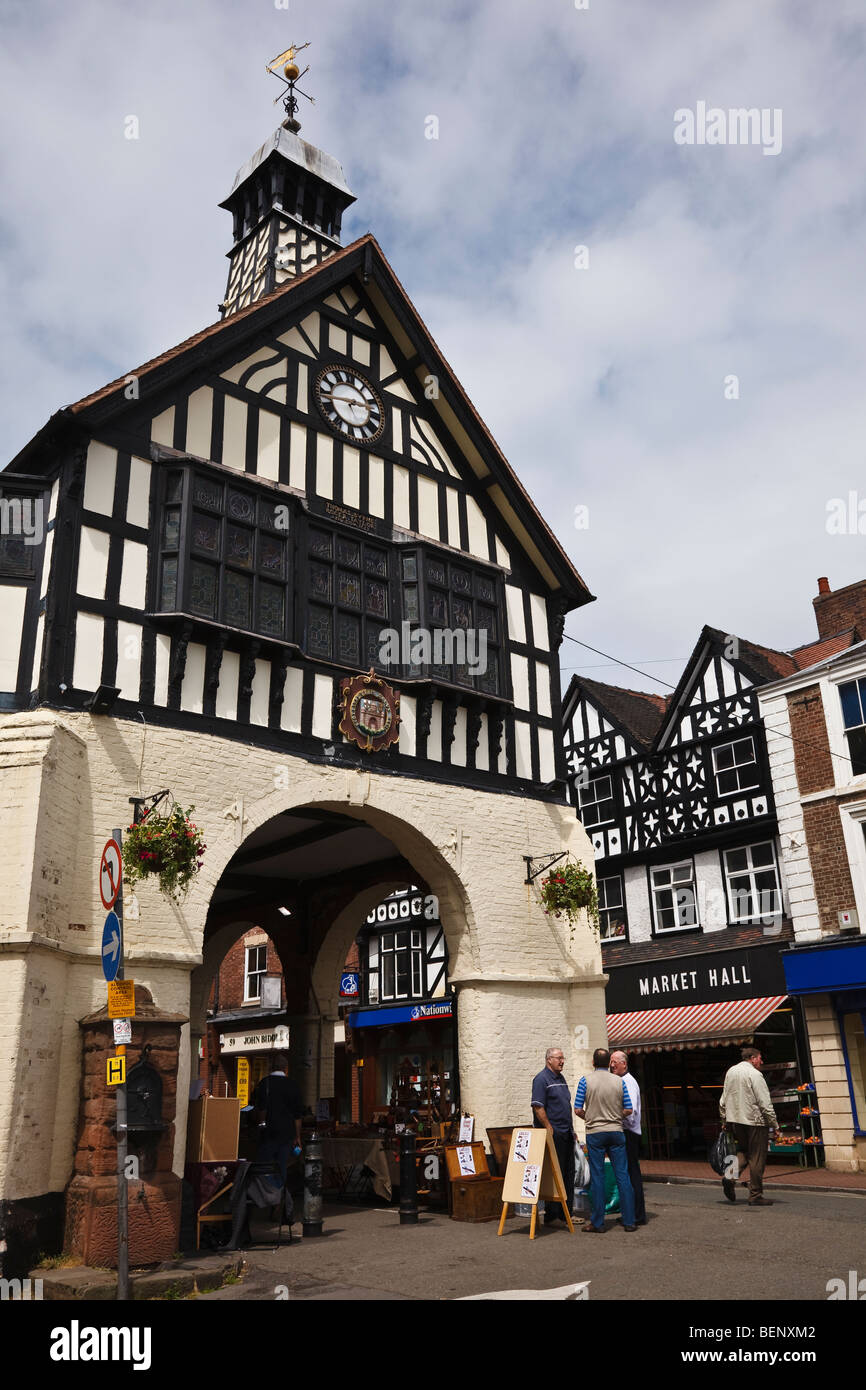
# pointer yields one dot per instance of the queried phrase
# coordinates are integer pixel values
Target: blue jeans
(612, 1142)
(275, 1151)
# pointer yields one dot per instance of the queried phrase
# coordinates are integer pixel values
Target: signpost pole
(122, 1145)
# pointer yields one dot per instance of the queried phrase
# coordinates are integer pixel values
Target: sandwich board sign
(532, 1174)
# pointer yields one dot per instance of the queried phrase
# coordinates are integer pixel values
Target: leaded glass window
(350, 605)
(454, 615)
(224, 554)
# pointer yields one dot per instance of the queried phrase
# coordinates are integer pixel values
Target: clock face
(350, 405)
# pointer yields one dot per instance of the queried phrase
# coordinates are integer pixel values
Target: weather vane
(289, 76)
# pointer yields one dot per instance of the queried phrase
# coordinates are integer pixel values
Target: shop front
(830, 978)
(683, 1022)
(247, 1055)
(407, 1059)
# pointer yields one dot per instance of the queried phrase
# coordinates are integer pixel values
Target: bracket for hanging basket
(137, 802)
(544, 862)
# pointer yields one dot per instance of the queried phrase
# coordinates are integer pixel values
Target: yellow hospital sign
(115, 1071)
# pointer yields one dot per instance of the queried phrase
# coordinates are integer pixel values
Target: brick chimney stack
(839, 611)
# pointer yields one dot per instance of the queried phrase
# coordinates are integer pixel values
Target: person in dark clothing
(278, 1107)
(551, 1109)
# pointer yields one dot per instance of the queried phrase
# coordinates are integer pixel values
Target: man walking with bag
(746, 1109)
(603, 1101)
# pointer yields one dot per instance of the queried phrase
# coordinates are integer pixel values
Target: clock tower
(287, 205)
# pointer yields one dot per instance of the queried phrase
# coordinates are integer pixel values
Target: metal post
(408, 1181)
(122, 1147)
(313, 1187)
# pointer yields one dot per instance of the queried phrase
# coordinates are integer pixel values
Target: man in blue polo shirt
(551, 1109)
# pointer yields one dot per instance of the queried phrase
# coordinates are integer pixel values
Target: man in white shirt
(631, 1129)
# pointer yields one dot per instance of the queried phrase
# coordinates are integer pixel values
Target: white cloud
(603, 386)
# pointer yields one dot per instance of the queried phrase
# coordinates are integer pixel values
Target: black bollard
(408, 1181)
(313, 1187)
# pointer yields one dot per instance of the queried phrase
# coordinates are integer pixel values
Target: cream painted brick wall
(522, 982)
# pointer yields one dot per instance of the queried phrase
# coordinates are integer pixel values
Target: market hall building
(229, 530)
(696, 909)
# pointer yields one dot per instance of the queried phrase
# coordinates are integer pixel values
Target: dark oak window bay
(236, 555)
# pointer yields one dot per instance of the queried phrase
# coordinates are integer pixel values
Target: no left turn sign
(110, 870)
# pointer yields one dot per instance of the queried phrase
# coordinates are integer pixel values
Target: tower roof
(303, 155)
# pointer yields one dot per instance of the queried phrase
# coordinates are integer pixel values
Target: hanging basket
(568, 890)
(169, 847)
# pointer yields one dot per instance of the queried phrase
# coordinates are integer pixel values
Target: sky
(666, 339)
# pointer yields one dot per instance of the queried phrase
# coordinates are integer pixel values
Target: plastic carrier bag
(720, 1151)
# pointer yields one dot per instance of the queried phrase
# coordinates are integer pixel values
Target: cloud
(604, 386)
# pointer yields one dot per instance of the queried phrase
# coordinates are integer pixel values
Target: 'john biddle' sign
(754, 973)
(268, 1040)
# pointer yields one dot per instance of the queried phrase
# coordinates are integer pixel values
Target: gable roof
(638, 711)
(365, 257)
(647, 717)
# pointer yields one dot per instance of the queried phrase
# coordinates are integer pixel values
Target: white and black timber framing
(666, 801)
(229, 420)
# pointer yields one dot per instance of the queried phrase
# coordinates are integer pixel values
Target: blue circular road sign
(112, 946)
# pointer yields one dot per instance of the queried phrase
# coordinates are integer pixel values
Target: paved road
(696, 1246)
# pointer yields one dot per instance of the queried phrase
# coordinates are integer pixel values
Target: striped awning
(694, 1025)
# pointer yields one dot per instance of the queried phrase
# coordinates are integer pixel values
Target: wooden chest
(476, 1201)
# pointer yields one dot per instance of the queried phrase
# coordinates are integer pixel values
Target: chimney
(839, 611)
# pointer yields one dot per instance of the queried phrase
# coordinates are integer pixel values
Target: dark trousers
(563, 1142)
(752, 1144)
(632, 1153)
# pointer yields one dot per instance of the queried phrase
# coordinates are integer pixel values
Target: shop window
(596, 802)
(224, 554)
(752, 882)
(401, 965)
(611, 908)
(853, 697)
(255, 967)
(735, 767)
(853, 1031)
(674, 897)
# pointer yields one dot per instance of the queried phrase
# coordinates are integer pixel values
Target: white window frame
(607, 878)
(252, 974)
(738, 791)
(672, 887)
(838, 744)
(851, 776)
(853, 818)
(594, 782)
(415, 951)
(749, 871)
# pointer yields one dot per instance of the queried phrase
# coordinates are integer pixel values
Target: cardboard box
(212, 1129)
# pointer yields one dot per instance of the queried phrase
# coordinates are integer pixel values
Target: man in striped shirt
(602, 1101)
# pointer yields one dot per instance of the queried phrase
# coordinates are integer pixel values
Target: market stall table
(342, 1156)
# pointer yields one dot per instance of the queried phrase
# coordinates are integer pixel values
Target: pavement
(696, 1245)
(775, 1175)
